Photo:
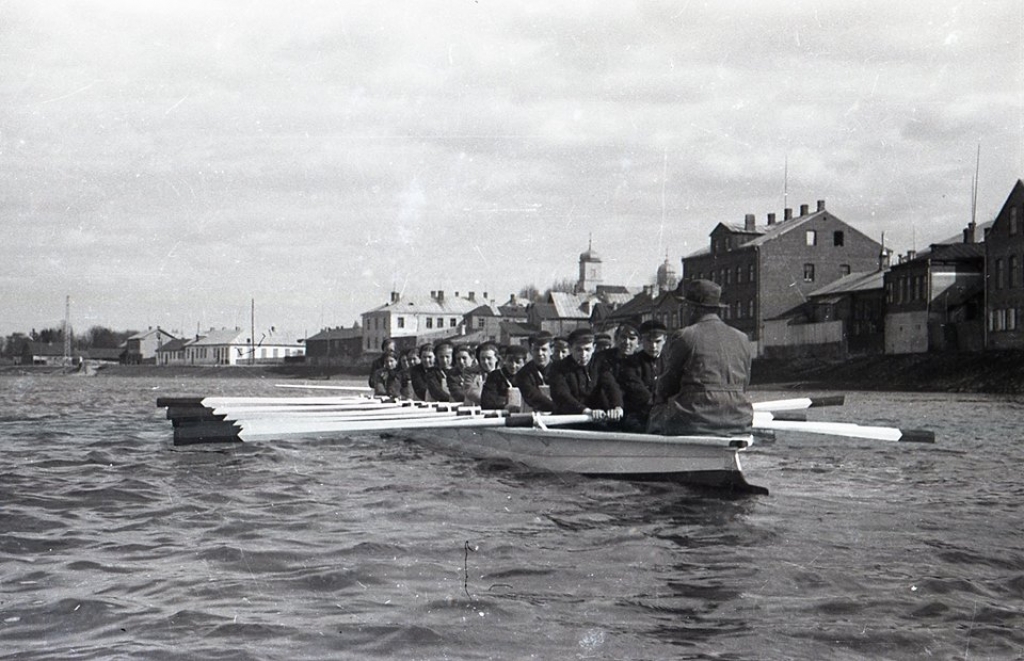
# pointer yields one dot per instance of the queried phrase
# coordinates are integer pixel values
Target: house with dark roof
(1004, 284)
(336, 346)
(935, 298)
(141, 348)
(768, 270)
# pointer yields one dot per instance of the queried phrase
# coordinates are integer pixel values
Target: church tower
(666, 279)
(590, 269)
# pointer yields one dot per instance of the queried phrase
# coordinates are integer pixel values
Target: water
(117, 545)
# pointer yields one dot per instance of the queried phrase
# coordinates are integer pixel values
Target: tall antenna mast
(785, 184)
(974, 188)
(67, 331)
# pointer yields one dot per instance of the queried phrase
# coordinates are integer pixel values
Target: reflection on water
(117, 544)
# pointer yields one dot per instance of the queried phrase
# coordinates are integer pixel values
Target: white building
(437, 317)
(235, 347)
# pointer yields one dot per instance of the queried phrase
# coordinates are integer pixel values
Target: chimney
(787, 214)
(821, 205)
(969, 232)
(803, 209)
(748, 222)
(395, 296)
(440, 296)
(911, 254)
(511, 299)
(456, 294)
(485, 296)
(771, 219)
(472, 296)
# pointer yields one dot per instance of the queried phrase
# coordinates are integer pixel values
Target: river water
(116, 545)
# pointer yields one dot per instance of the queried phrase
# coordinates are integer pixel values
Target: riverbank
(990, 372)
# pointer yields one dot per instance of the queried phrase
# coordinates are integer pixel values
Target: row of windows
(1008, 273)
(811, 238)
(1003, 319)
(725, 276)
(381, 323)
(906, 289)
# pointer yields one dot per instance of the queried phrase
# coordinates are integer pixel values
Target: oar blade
(917, 436)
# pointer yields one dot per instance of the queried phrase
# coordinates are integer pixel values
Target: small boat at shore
(544, 441)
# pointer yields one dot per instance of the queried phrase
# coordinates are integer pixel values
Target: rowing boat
(559, 443)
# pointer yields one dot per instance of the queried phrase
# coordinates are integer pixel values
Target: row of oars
(219, 419)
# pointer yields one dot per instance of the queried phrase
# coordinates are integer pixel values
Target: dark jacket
(638, 380)
(529, 381)
(444, 385)
(703, 387)
(386, 383)
(495, 392)
(575, 388)
(418, 380)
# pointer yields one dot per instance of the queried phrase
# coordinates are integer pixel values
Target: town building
(236, 347)
(335, 346)
(591, 276)
(173, 352)
(428, 320)
(768, 270)
(141, 348)
(935, 297)
(1004, 282)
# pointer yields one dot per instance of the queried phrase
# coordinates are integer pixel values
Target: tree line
(97, 337)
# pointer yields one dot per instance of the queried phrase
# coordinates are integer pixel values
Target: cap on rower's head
(581, 336)
(516, 351)
(444, 343)
(627, 329)
(653, 328)
(540, 339)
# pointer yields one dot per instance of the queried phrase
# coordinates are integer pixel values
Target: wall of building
(906, 332)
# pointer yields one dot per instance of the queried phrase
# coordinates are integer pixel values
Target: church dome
(590, 256)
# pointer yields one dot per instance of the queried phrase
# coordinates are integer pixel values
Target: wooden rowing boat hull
(704, 461)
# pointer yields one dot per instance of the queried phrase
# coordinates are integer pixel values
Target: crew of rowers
(629, 383)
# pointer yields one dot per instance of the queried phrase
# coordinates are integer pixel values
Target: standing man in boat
(702, 389)
(639, 376)
(579, 385)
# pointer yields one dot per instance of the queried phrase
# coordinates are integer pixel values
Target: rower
(418, 373)
(559, 351)
(707, 370)
(639, 376)
(499, 392)
(387, 380)
(532, 380)
(627, 342)
(487, 359)
(578, 385)
(443, 383)
(387, 345)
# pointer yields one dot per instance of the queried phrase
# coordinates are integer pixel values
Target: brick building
(1004, 284)
(768, 270)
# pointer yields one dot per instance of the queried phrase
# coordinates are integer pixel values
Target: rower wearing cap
(578, 385)
(639, 376)
(559, 350)
(707, 370)
(488, 357)
(499, 391)
(627, 342)
(533, 378)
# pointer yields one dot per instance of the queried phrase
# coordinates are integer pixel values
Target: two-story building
(432, 319)
(141, 348)
(1004, 281)
(768, 270)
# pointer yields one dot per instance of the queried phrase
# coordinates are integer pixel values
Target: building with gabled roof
(768, 270)
(141, 348)
(436, 317)
(335, 346)
(236, 347)
(935, 297)
(1004, 284)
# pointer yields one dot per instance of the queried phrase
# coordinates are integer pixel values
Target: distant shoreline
(989, 372)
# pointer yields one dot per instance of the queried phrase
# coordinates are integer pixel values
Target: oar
(846, 429)
(319, 387)
(254, 430)
(798, 403)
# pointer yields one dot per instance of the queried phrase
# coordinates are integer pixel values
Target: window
(1000, 273)
(1011, 319)
(728, 276)
(838, 238)
(440, 322)
(430, 322)
(844, 269)
(811, 238)
(1013, 271)
(750, 273)
(750, 308)
(401, 322)
(452, 322)
(480, 322)
(1014, 221)
(739, 274)
(808, 272)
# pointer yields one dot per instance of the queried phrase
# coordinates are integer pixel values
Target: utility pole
(67, 332)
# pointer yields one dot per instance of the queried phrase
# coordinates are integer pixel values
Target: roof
(512, 310)
(514, 329)
(484, 311)
(854, 282)
(149, 333)
(336, 334)
(452, 305)
(222, 336)
(573, 306)
(950, 252)
(176, 344)
(634, 307)
(545, 310)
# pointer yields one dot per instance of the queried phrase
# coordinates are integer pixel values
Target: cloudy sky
(166, 163)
